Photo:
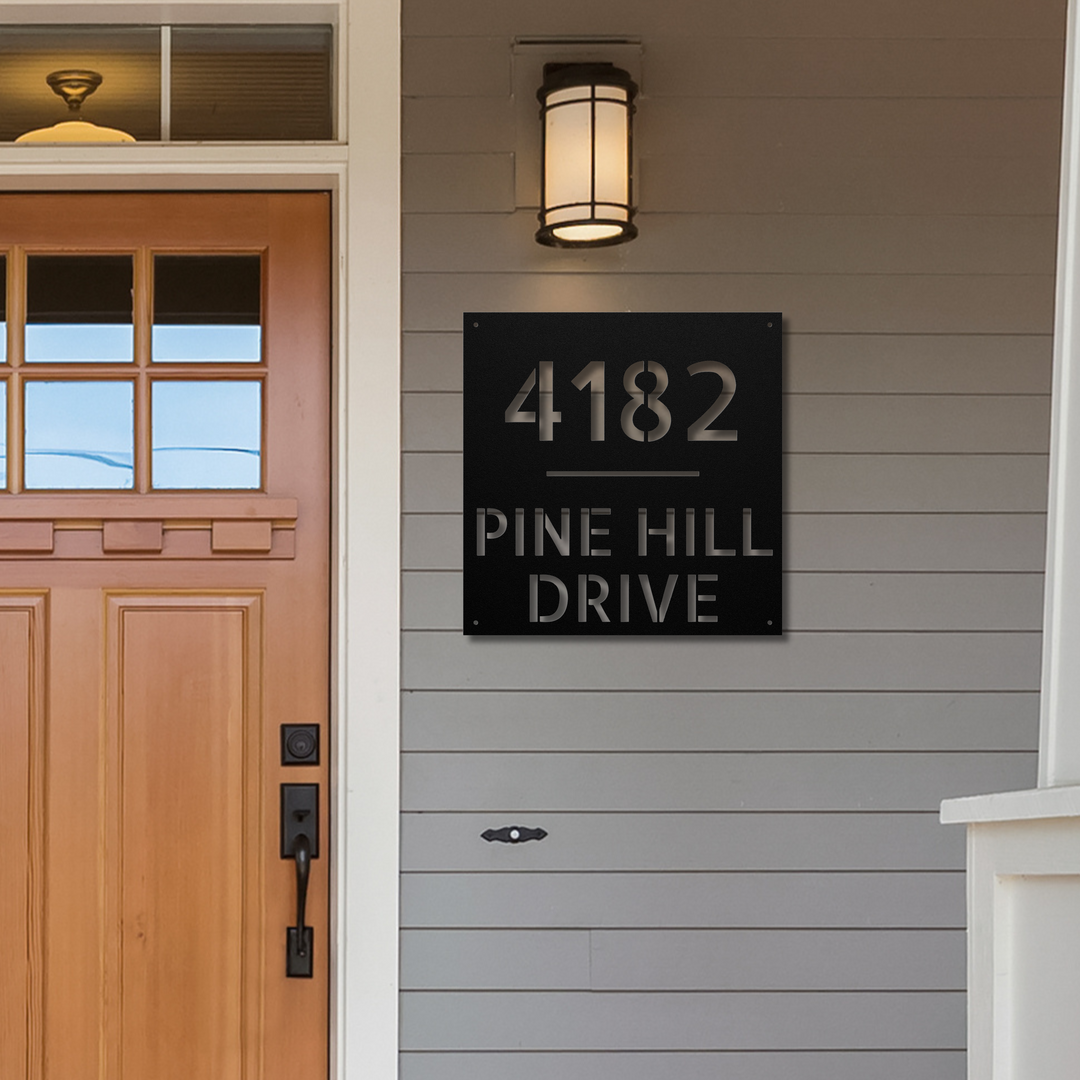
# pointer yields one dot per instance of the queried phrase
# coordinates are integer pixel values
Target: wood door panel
(183, 805)
(22, 764)
(183, 629)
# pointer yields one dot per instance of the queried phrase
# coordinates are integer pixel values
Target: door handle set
(300, 842)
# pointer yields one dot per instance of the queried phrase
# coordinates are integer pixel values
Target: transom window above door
(168, 83)
(131, 371)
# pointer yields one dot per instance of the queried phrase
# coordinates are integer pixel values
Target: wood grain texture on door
(22, 769)
(152, 644)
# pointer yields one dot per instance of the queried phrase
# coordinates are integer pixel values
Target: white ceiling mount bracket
(528, 60)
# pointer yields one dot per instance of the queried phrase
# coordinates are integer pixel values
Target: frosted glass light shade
(586, 196)
(75, 131)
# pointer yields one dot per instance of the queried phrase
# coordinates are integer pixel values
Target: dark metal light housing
(586, 191)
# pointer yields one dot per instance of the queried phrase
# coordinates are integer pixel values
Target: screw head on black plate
(299, 744)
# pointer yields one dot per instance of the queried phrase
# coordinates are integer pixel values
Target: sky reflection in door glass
(3, 309)
(206, 434)
(79, 435)
(207, 344)
(3, 435)
(78, 343)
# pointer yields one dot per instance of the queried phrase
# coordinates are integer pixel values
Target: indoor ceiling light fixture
(586, 193)
(74, 86)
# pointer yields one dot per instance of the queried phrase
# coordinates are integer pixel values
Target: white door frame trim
(364, 178)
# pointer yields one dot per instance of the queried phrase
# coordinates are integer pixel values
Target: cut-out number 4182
(545, 416)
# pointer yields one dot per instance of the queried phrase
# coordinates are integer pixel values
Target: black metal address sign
(622, 474)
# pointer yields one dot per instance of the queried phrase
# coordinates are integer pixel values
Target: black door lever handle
(302, 854)
(300, 843)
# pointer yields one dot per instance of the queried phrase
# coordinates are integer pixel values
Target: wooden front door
(164, 561)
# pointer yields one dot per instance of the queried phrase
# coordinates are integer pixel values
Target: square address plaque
(622, 473)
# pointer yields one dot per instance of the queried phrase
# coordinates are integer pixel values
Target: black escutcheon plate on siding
(622, 474)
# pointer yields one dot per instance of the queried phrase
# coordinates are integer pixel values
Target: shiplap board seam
(631, 928)
(644, 99)
(1048, 99)
(843, 453)
(708, 753)
(763, 1051)
(555, 811)
(701, 690)
(681, 990)
(664, 871)
(768, 1050)
(786, 634)
(829, 393)
(800, 333)
(742, 275)
(827, 513)
(569, 989)
(803, 573)
(669, 212)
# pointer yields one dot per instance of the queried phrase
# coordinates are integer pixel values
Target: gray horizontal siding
(808, 184)
(782, 182)
(657, 960)
(828, 423)
(669, 128)
(639, 782)
(690, 1021)
(674, 66)
(798, 661)
(918, 19)
(819, 303)
(744, 877)
(692, 721)
(821, 601)
(463, 242)
(683, 900)
(439, 183)
(680, 841)
(733, 1065)
(683, 66)
(853, 483)
(968, 364)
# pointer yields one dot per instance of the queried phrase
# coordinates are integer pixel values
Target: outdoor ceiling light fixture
(75, 86)
(586, 191)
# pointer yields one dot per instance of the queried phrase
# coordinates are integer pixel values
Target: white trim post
(1059, 719)
(366, 1008)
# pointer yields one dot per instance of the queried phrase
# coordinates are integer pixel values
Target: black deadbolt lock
(299, 744)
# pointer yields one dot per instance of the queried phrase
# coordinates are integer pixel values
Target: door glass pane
(207, 308)
(3, 309)
(79, 435)
(3, 435)
(78, 308)
(252, 82)
(206, 434)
